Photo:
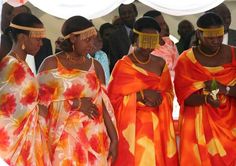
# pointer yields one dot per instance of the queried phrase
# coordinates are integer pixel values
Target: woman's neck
(208, 50)
(18, 52)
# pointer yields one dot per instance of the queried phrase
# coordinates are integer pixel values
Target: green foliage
(214, 85)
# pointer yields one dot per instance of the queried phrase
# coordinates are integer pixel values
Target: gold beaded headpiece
(212, 32)
(84, 34)
(33, 32)
(147, 40)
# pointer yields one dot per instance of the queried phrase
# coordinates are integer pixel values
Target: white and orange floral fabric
(22, 141)
(74, 138)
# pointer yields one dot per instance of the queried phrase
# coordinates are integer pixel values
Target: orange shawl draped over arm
(208, 135)
(146, 134)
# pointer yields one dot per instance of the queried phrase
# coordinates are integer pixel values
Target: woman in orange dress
(72, 87)
(141, 92)
(205, 84)
(22, 136)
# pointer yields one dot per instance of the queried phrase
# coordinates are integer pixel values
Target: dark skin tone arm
(108, 122)
(152, 98)
(199, 99)
(84, 104)
(222, 88)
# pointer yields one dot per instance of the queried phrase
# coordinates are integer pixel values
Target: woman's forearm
(43, 110)
(195, 100)
(109, 125)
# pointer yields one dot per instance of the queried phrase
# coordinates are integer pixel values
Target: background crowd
(104, 96)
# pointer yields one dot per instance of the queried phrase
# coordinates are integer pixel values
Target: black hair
(209, 19)
(73, 24)
(216, 9)
(22, 19)
(105, 26)
(7, 11)
(145, 23)
(152, 13)
(132, 4)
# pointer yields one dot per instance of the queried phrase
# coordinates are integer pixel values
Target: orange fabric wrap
(208, 135)
(146, 134)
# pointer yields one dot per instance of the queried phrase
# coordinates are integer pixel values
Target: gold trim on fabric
(147, 40)
(196, 154)
(191, 56)
(199, 84)
(232, 83)
(234, 132)
(212, 32)
(199, 127)
(126, 100)
(165, 68)
(129, 135)
(148, 155)
(155, 121)
(214, 69)
(171, 144)
(215, 147)
(141, 70)
(84, 34)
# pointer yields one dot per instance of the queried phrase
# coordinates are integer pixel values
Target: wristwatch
(227, 90)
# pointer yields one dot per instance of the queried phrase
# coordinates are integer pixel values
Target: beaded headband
(147, 40)
(33, 32)
(84, 34)
(212, 32)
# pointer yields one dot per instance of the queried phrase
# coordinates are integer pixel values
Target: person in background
(141, 93)
(22, 132)
(119, 41)
(8, 12)
(105, 31)
(100, 56)
(185, 31)
(205, 85)
(230, 34)
(80, 118)
(116, 21)
(57, 44)
(167, 49)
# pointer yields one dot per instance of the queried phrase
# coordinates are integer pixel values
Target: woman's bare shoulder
(49, 63)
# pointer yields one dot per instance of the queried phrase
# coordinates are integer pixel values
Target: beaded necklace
(141, 62)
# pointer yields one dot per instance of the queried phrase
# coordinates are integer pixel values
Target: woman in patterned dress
(80, 117)
(22, 139)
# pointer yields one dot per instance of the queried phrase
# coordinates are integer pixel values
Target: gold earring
(23, 46)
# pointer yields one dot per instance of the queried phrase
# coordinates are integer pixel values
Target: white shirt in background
(30, 61)
(225, 38)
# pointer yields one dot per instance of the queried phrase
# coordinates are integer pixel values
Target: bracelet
(72, 103)
(142, 95)
(205, 99)
(227, 90)
(80, 103)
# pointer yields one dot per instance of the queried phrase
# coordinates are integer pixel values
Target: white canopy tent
(97, 8)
